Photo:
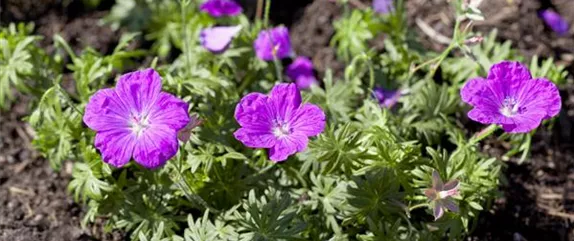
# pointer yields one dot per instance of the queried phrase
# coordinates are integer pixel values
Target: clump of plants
(223, 142)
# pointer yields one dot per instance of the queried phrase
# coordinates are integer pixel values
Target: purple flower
(555, 21)
(440, 195)
(136, 119)
(301, 71)
(511, 98)
(218, 39)
(219, 8)
(278, 121)
(386, 98)
(383, 6)
(272, 42)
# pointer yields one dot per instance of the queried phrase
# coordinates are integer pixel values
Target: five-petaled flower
(278, 121)
(136, 119)
(511, 98)
(386, 98)
(273, 43)
(218, 39)
(440, 195)
(555, 21)
(301, 71)
(219, 8)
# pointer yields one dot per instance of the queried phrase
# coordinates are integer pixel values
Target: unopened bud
(473, 41)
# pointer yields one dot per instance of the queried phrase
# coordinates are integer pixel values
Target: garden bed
(537, 197)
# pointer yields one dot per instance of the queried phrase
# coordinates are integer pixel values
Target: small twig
(551, 196)
(553, 212)
(16, 190)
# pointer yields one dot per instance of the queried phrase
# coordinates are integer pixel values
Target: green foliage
(547, 69)
(352, 33)
(23, 65)
(363, 178)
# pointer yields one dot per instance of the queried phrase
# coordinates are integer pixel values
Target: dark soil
(537, 199)
(35, 205)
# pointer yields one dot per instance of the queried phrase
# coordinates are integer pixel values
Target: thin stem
(371, 75)
(484, 133)
(68, 99)
(186, 39)
(278, 67)
(267, 11)
(259, 10)
(420, 205)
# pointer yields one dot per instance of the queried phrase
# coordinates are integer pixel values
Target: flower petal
(509, 72)
(219, 8)
(185, 133)
(169, 110)
(436, 181)
(449, 204)
(305, 82)
(386, 98)
(139, 90)
(383, 6)
(272, 42)
(472, 90)
(524, 123)
(308, 120)
(155, 146)
(255, 138)
(286, 146)
(555, 21)
(116, 146)
(105, 111)
(217, 39)
(252, 112)
(437, 211)
(285, 100)
(540, 95)
(451, 187)
(301, 71)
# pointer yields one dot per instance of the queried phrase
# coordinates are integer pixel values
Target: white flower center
(281, 130)
(139, 123)
(510, 107)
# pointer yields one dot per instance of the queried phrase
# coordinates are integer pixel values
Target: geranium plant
(229, 144)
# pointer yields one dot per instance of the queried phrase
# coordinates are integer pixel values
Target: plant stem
(259, 10)
(266, 16)
(484, 133)
(420, 205)
(278, 67)
(186, 39)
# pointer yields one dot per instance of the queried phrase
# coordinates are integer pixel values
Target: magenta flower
(440, 195)
(511, 98)
(386, 98)
(555, 21)
(219, 8)
(383, 6)
(301, 71)
(136, 119)
(278, 121)
(218, 39)
(273, 42)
